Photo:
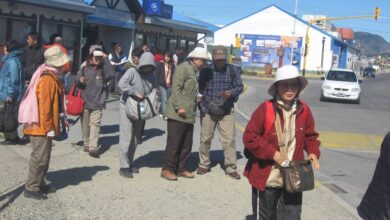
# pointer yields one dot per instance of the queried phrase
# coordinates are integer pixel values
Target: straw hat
(200, 53)
(288, 72)
(55, 57)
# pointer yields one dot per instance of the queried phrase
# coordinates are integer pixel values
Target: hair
(53, 37)
(170, 54)
(113, 45)
(35, 36)
(11, 45)
(137, 52)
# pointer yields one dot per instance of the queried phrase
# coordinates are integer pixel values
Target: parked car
(341, 84)
(369, 72)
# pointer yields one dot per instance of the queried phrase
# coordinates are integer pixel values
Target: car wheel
(357, 101)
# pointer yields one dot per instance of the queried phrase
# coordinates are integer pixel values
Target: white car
(342, 84)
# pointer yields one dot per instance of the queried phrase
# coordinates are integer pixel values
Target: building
(324, 50)
(165, 29)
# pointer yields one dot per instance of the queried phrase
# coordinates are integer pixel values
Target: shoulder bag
(8, 118)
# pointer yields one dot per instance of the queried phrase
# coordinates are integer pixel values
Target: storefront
(113, 21)
(163, 29)
(19, 17)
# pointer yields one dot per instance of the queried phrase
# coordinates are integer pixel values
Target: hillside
(371, 44)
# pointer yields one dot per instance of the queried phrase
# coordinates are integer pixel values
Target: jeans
(164, 94)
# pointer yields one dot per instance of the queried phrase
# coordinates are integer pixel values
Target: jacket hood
(146, 59)
(14, 53)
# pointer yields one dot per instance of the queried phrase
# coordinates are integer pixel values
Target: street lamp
(322, 54)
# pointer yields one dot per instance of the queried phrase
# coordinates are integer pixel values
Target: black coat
(375, 204)
(160, 74)
(32, 58)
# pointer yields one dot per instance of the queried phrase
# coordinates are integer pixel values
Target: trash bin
(268, 70)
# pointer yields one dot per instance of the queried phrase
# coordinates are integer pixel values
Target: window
(191, 45)
(20, 29)
(162, 45)
(172, 44)
(150, 40)
(47, 30)
(342, 76)
(183, 43)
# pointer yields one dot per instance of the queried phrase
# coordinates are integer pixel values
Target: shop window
(47, 30)
(183, 43)
(191, 45)
(3, 31)
(172, 44)
(139, 40)
(163, 43)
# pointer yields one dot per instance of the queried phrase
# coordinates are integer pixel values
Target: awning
(70, 5)
(176, 25)
(112, 17)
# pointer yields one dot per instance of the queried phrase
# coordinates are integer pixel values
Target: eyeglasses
(285, 85)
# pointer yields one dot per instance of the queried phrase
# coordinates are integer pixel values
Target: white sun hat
(201, 53)
(288, 72)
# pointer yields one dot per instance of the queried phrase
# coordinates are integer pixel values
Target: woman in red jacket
(270, 200)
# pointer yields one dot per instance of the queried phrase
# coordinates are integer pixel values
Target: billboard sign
(157, 8)
(259, 50)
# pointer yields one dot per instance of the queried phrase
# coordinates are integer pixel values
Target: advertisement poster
(259, 50)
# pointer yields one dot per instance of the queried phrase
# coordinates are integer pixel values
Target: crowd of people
(281, 129)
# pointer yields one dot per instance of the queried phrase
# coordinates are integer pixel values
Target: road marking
(344, 140)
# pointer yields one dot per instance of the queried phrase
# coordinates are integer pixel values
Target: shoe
(25, 140)
(234, 175)
(7, 141)
(47, 189)
(165, 118)
(126, 172)
(202, 171)
(168, 175)
(93, 152)
(86, 149)
(134, 169)
(38, 195)
(186, 174)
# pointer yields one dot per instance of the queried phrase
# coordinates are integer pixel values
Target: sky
(222, 12)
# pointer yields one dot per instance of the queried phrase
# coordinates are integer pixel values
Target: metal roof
(70, 5)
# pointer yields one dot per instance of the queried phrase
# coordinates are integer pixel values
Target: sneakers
(38, 195)
(134, 169)
(47, 189)
(93, 152)
(126, 172)
(202, 171)
(234, 175)
(168, 175)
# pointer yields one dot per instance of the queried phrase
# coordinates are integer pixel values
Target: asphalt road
(344, 169)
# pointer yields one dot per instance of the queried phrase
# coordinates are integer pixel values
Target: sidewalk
(89, 188)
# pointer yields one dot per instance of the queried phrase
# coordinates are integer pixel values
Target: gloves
(51, 134)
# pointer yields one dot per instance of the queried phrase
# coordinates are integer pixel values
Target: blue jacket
(11, 77)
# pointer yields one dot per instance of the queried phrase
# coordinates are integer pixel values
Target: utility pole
(295, 21)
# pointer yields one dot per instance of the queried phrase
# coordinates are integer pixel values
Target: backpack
(270, 121)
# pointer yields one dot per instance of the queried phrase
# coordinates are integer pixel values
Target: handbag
(216, 107)
(142, 109)
(74, 102)
(8, 118)
(298, 175)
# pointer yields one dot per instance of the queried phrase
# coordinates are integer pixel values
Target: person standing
(220, 86)
(181, 111)
(117, 59)
(46, 100)
(164, 77)
(32, 55)
(135, 83)
(11, 84)
(284, 117)
(92, 79)
(376, 201)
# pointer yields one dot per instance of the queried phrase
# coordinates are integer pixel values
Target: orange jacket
(49, 92)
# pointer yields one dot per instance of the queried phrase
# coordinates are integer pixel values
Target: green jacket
(183, 95)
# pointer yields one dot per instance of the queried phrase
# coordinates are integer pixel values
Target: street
(350, 133)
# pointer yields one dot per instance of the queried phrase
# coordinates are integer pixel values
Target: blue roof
(292, 15)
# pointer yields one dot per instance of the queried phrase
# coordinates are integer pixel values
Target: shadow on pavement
(73, 176)
(152, 132)
(11, 196)
(107, 142)
(154, 159)
(109, 129)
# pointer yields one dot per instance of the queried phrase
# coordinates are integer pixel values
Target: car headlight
(327, 87)
(355, 90)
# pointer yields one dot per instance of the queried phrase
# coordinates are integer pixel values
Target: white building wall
(273, 21)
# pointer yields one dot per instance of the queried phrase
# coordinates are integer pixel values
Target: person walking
(220, 87)
(11, 85)
(136, 82)
(32, 55)
(164, 77)
(181, 111)
(294, 120)
(376, 201)
(44, 100)
(93, 76)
